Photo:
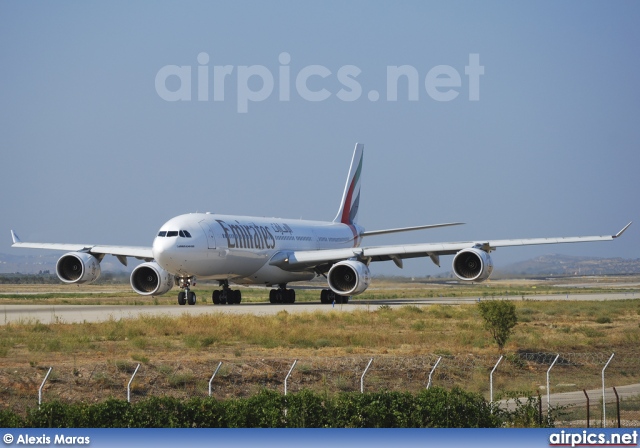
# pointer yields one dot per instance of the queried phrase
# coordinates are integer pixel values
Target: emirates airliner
(275, 252)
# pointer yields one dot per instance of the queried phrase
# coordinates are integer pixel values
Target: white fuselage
(239, 248)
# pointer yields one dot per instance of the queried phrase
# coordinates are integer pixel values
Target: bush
(499, 318)
(9, 419)
(307, 409)
(439, 408)
(264, 410)
(433, 408)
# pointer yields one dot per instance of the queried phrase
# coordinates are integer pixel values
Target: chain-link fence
(519, 374)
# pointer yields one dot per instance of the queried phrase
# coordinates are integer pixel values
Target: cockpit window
(182, 233)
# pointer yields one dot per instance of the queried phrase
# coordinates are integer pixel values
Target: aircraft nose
(161, 251)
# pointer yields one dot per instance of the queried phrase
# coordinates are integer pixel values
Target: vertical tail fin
(348, 212)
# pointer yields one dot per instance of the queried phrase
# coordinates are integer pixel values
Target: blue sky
(92, 153)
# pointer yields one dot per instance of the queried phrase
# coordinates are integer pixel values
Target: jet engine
(349, 278)
(472, 265)
(78, 267)
(149, 279)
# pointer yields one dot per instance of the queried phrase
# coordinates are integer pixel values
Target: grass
(549, 326)
(397, 337)
(121, 294)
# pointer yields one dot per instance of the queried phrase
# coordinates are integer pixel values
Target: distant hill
(555, 264)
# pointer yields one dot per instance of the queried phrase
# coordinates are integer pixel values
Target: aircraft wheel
(272, 296)
(182, 298)
(291, 295)
(191, 298)
(323, 296)
(237, 296)
(215, 297)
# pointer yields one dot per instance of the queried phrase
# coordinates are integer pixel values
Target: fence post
(539, 410)
(214, 375)
(41, 386)
(362, 377)
(617, 405)
(288, 374)
(586, 395)
(491, 382)
(129, 385)
(432, 370)
(604, 406)
(549, 387)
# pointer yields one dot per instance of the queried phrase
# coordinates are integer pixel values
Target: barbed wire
(237, 377)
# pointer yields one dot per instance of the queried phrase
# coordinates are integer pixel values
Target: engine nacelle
(349, 278)
(149, 279)
(78, 267)
(472, 265)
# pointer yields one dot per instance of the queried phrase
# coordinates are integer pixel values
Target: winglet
(622, 231)
(15, 237)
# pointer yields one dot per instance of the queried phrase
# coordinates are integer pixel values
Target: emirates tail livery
(271, 251)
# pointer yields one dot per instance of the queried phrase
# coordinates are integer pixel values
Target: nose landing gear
(186, 296)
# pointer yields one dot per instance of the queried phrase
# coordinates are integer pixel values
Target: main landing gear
(327, 296)
(282, 295)
(233, 296)
(226, 295)
(186, 296)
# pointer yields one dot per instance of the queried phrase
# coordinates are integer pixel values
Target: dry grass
(121, 294)
(256, 350)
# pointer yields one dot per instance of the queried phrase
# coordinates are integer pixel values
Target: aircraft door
(211, 239)
(320, 242)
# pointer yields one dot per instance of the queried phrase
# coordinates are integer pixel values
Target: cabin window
(171, 233)
(162, 233)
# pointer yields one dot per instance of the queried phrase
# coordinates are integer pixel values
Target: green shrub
(9, 419)
(499, 318)
(433, 408)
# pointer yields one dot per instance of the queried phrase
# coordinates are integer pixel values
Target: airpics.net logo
(314, 83)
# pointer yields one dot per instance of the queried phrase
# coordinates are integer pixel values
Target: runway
(578, 398)
(49, 314)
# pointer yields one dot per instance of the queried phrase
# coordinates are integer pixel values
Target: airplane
(275, 252)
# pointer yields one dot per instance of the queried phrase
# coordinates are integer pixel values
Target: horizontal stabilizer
(15, 237)
(407, 229)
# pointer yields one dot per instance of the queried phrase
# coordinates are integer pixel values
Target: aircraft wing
(140, 252)
(298, 260)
